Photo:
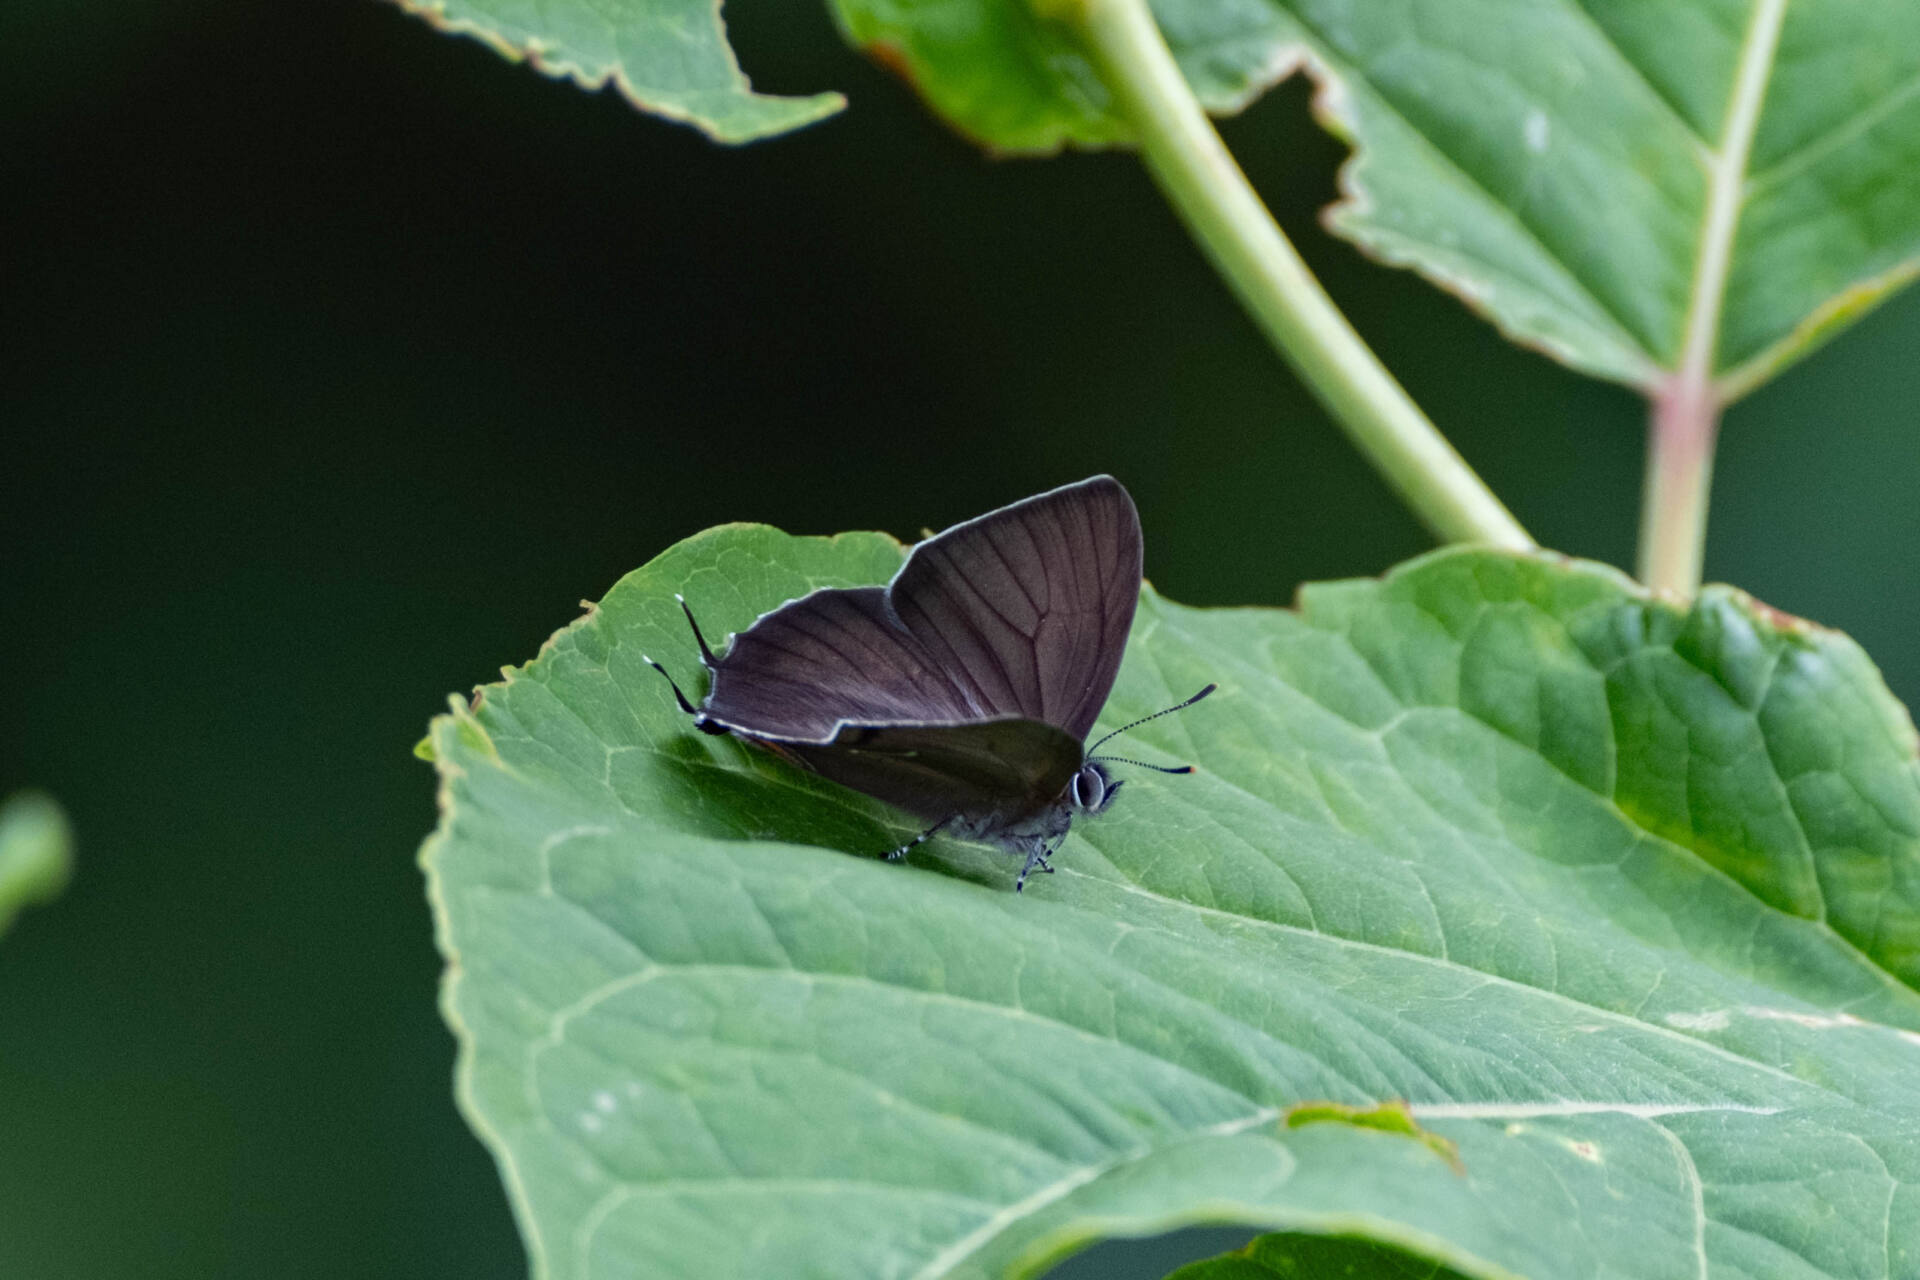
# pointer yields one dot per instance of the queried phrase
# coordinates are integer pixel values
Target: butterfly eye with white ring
(1089, 788)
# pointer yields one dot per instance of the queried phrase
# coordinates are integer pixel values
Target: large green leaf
(669, 57)
(1621, 898)
(1552, 161)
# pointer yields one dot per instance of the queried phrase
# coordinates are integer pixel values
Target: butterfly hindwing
(995, 771)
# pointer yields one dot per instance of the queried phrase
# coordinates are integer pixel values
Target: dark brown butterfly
(962, 691)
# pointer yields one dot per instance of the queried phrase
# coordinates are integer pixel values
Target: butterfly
(962, 692)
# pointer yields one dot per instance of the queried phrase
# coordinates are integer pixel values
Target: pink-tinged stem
(1673, 517)
(1686, 409)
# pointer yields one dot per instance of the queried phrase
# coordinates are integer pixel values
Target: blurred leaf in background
(36, 852)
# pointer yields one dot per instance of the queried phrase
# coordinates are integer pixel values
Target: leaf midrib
(1727, 192)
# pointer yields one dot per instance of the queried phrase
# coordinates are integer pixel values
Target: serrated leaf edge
(809, 110)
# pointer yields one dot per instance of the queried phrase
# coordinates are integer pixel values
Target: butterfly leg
(1037, 855)
(894, 855)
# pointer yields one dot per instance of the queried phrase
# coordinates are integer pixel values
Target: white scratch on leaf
(1705, 1020)
(1817, 1021)
(1537, 131)
(1575, 1107)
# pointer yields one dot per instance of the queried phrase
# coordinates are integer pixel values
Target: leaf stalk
(1686, 411)
(1679, 478)
(1226, 216)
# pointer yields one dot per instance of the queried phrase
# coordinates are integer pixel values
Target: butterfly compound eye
(1089, 789)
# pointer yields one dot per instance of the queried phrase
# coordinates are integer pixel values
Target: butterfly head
(1092, 788)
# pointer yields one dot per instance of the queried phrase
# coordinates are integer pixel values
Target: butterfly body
(963, 691)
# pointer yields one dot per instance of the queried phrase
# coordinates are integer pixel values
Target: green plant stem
(1673, 511)
(1221, 209)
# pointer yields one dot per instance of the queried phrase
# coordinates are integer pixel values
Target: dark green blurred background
(341, 359)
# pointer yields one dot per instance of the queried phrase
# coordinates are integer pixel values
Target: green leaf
(36, 852)
(668, 57)
(1621, 900)
(1297, 1257)
(1554, 162)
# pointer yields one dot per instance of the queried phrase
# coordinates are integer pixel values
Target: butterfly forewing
(833, 657)
(1027, 608)
(1022, 613)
